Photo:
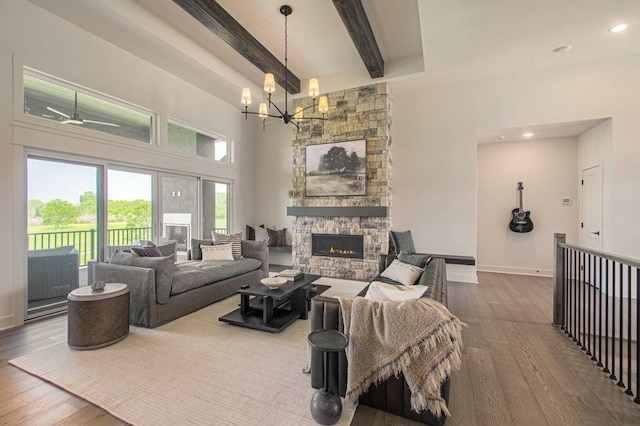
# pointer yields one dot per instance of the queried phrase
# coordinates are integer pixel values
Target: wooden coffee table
(272, 310)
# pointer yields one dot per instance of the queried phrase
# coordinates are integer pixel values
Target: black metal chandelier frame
(285, 116)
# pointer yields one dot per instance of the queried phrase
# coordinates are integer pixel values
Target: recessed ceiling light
(527, 134)
(563, 49)
(618, 28)
(500, 138)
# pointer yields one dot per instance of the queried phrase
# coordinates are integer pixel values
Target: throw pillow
(396, 293)
(419, 260)
(403, 273)
(147, 250)
(196, 253)
(401, 241)
(233, 239)
(277, 238)
(217, 252)
(261, 234)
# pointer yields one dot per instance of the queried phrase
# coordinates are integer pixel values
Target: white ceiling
(540, 131)
(451, 40)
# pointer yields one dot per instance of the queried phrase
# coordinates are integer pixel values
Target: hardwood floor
(517, 369)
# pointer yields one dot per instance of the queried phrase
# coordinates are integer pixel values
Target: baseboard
(7, 322)
(462, 273)
(516, 271)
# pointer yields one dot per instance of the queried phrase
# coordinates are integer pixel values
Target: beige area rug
(194, 370)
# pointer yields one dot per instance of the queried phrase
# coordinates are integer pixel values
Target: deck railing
(86, 242)
(595, 302)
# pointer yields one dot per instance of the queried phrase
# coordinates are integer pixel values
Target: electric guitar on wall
(520, 219)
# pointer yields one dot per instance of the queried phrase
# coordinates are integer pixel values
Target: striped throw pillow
(234, 239)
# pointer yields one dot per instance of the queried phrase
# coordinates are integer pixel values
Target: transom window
(188, 140)
(44, 97)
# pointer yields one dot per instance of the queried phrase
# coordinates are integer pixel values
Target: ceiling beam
(210, 14)
(355, 19)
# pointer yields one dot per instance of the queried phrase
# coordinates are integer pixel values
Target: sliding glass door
(63, 230)
(129, 207)
(80, 212)
(215, 208)
(179, 210)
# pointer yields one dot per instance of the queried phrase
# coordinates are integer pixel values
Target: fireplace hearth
(336, 245)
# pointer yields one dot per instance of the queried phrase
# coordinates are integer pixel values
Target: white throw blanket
(419, 338)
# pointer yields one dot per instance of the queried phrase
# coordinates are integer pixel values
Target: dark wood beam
(355, 19)
(210, 14)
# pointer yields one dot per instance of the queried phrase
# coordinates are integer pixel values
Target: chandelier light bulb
(299, 114)
(314, 88)
(269, 83)
(246, 96)
(262, 110)
(323, 104)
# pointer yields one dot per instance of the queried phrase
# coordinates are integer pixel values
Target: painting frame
(336, 169)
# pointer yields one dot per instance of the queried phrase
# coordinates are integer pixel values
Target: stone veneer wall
(354, 114)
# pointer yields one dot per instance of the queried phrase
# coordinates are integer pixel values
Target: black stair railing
(595, 302)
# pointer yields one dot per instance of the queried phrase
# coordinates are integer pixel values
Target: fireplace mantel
(338, 211)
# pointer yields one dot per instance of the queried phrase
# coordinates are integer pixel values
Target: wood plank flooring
(517, 368)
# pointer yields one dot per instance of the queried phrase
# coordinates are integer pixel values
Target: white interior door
(591, 226)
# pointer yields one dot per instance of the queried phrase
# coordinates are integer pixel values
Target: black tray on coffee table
(265, 309)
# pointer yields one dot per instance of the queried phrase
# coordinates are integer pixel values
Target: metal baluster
(606, 321)
(589, 291)
(582, 329)
(575, 290)
(565, 290)
(637, 398)
(621, 332)
(592, 302)
(599, 364)
(613, 322)
(629, 391)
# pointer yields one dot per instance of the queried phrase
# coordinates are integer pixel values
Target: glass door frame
(100, 214)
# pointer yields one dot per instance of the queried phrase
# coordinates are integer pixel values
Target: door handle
(596, 233)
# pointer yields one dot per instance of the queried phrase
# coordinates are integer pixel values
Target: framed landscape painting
(337, 168)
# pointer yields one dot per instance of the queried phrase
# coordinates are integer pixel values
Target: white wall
(547, 169)
(594, 148)
(274, 162)
(434, 149)
(54, 46)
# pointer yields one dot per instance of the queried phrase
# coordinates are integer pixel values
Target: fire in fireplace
(336, 245)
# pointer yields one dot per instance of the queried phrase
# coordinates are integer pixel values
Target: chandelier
(264, 109)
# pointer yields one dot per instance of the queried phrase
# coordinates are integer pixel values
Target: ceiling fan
(75, 118)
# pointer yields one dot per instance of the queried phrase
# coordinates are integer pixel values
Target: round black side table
(326, 406)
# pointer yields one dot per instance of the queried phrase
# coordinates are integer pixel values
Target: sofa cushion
(403, 273)
(164, 268)
(401, 241)
(233, 239)
(147, 250)
(378, 290)
(217, 252)
(196, 253)
(419, 260)
(193, 274)
(277, 238)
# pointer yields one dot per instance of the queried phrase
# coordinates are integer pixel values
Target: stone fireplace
(360, 113)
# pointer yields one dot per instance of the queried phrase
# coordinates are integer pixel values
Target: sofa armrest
(327, 314)
(257, 250)
(142, 289)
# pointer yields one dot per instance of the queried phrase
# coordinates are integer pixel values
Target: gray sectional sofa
(392, 395)
(162, 290)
